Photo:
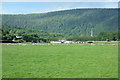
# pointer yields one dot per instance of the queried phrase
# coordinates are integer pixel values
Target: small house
(18, 36)
(68, 42)
(80, 42)
(55, 42)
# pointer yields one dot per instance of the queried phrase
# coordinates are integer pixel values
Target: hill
(69, 22)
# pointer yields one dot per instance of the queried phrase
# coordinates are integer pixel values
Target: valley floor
(59, 60)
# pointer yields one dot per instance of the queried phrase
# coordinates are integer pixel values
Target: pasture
(59, 61)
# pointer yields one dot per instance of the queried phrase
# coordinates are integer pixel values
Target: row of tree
(71, 22)
(30, 35)
(103, 36)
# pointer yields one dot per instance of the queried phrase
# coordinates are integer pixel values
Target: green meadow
(59, 61)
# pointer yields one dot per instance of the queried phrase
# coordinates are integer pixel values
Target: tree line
(38, 36)
(71, 22)
(28, 35)
(102, 36)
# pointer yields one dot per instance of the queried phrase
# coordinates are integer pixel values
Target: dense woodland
(70, 22)
(31, 35)
(72, 25)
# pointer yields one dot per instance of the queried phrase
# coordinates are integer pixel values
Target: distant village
(60, 41)
(64, 41)
(55, 42)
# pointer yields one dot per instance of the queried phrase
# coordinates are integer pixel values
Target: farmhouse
(18, 36)
(68, 42)
(62, 41)
(80, 42)
(17, 39)
(55, 42)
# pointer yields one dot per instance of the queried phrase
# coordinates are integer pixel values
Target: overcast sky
(42, 7)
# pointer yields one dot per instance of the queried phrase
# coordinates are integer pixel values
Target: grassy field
(59, 61)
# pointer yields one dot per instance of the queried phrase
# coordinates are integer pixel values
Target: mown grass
(60, 61)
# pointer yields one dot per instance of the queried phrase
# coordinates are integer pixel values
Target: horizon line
(54, 11)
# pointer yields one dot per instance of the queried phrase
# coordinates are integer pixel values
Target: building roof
(18, 36)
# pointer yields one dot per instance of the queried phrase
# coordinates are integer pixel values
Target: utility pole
(91, 32)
